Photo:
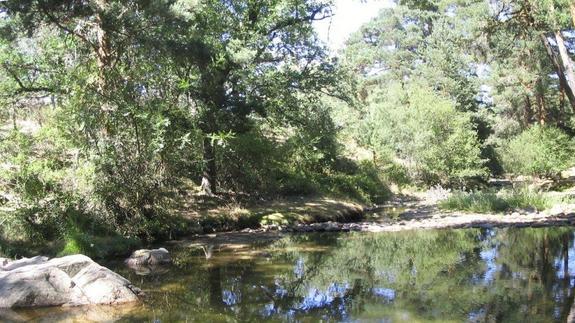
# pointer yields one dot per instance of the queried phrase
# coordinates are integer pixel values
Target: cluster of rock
(67, 281)
(329, 226)
(558, 215)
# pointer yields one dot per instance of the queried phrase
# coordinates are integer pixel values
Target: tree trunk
(528, 112)
(540, 98)
(209, 184)
(103, 52)
(14, 117)
(572, 7)
(566, 59)
(567, 62)
(561, 116)
(559, 68)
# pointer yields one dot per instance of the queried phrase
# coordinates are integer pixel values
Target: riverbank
(203, 215)
(239, 223)
(211, 215)
(400, 214)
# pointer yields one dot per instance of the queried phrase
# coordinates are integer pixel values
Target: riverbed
(448, 275)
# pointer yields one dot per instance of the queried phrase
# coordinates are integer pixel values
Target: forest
(138, 121)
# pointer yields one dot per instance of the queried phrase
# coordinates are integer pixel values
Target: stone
(4, 262)
(565, 210)
(330, 226)
(271, 227)
(34, 287)
(67, 281)
(11, 265)
(529, 210)
(544, 185)
(556, 210)
(144, 257)
(71, 265)
(150, 270)
(568, 173)
(103, 286)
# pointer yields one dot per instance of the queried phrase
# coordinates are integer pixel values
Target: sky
(349, 15)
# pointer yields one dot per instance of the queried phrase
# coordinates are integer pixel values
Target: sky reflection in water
(508, 275)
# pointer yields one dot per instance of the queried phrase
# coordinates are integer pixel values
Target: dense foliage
(538, 151)
(114, 115)
(430, 138)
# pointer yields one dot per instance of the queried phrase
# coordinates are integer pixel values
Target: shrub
(540, 151)
(365, 184)
(397, 174)
(433, 141)
(39, 184)
(481, 202)
(298, 161)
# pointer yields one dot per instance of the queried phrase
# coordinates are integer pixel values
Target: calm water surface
(504, 275)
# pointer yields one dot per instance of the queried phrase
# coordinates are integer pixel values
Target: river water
(471, 275)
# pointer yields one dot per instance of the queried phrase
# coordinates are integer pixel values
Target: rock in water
(145, 257)
(67, 281)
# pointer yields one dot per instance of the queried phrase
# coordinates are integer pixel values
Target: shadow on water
(477, 275)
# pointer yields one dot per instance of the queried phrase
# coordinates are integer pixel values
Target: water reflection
(504, 275)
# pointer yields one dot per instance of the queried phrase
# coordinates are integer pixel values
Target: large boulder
(67, 281)
(146, 257)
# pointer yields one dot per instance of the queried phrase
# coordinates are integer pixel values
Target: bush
(365, 184)
(40, 186)
(539, 151)
(424, 132)
(298, 161)
(481, 202)
(397, 174)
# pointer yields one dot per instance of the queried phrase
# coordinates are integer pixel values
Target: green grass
(97, 247)
(497, 202)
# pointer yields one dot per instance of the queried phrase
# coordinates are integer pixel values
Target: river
(473, 275)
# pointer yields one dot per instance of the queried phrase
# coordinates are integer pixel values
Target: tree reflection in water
(448, 275)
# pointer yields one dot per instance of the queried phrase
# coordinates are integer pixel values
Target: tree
(115, 106)
(533, 32)
(425, 133)
(246, 58)
(146, 91)
(428, 45)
